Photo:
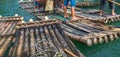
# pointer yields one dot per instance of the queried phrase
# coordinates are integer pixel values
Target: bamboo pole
(26, 44)
(32, 42)
(114, 2)
(71, 53)
(19, 49)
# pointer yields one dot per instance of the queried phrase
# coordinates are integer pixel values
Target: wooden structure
(90, 32)
(43, 38)
(7, 31)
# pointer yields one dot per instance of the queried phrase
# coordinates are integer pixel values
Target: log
(32, 42)
(19, 50)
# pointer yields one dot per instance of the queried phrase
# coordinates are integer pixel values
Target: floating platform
(7, 25)
(90, 32)
(43, 38)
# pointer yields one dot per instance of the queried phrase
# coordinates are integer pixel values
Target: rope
(42, 52)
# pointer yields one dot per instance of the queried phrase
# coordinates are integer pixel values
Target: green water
(111, 49)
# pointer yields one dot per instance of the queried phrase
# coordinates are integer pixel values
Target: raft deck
(43, 38)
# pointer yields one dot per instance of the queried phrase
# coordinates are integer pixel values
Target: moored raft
(89, 32)
(93, 14)
(43, 38)
(7, 25)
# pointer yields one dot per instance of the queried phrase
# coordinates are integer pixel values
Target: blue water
(111, 49)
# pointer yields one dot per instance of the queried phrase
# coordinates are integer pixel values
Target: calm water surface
(111, 49)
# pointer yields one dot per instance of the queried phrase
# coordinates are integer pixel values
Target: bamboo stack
(89, 32)
(43, 38)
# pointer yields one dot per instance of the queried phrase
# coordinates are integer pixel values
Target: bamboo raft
(84, 4)
(43, 38)
(29, 7)
(89, 32)
(7, 25)
(93, 14)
